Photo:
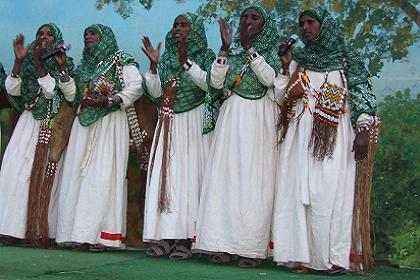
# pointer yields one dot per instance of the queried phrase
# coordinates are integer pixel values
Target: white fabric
(93, 184)
(188, 152)
(47, 84)
(238, 185)
(314, 199)
(17, 166)
(68, 89)
(15, 176)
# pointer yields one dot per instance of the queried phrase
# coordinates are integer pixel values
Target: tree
(396, 182)
(380, 30)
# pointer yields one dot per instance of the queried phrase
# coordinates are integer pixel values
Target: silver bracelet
(187, 65)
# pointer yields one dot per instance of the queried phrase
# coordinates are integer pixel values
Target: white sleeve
(68, 89)
(264, 71)
(218, 74)
(153, 84)
(281, 81)
(364, 120)
(198, 76)
(132, 86)
(47, 84)
(13, 85)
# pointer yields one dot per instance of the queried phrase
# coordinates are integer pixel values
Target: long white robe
(238, 185)
(93, 184)
(18, 159)
(314, 199)
(189, 149)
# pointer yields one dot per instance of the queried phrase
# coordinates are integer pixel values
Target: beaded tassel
(138, 135)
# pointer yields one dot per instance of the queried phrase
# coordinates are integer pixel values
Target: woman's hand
(18, 47)
(286, 59)
(361, 145)
(152, 53)
(244, 36)
(94, 100)
(60, 58)
(225, 34)
(182, 51)
(297, 91)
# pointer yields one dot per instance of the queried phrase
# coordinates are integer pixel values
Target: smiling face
(45, 36)
(252, 21)
(309, 27)
(91, 38)
(181, 29)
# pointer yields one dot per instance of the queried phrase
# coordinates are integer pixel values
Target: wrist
(224, 48)
(153, 67)
(187, 65)
(114, 100)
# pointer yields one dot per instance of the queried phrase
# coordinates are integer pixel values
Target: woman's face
(309, 27)
(181, 29)
(91, 38)
(252, 21)
(45, 36)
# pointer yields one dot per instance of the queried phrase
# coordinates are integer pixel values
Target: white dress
(93, 184)
(18, 159)
(188, 152)
(238, 186)
(314, 199)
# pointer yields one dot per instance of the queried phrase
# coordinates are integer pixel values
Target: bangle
(252, 53)
(64, 76)
(187, 65)
(114, 100)
(223, 53)
(13, 75)
(221, 60)
(251, 50)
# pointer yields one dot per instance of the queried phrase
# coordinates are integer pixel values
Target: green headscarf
(188, 95)
(266, 43)
(30, 85)
(328, 52)
(98, 61)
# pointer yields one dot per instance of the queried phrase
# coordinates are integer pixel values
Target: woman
(325, 91)
(92, 202)
(238, 185)
(172, 200)
(37, 86)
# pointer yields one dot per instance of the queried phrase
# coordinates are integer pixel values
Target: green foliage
(396, 182)
(380, 30)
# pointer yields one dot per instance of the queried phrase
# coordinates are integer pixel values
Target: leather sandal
(248, 262)
(221, 258)
(181, 253)
(160, 249)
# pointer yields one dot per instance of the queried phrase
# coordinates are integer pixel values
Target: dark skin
(250, 25)
(44, 39)
(310, 29)
(91, 39)
(180, 31)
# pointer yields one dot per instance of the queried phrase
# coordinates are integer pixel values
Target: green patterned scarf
(188, 95)
(266, 43)
(98, 61)
(30, 86)
(328, 52)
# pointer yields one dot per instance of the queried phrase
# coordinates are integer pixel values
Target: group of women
(220, 180)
